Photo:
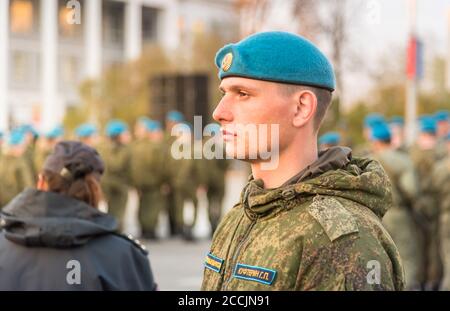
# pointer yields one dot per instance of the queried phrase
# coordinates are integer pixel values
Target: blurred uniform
(399, 220)
(31, 137)
(441, 178)
(424, 158)
(212, 176)
(15, 172)
(186, 179)
(117, 158)
(172, 198)
(147, 175)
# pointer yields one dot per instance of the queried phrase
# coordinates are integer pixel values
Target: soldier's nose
(222, 114)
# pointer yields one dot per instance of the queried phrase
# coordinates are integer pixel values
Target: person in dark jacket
(54, 237)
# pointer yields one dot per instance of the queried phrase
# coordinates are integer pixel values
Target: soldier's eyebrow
(237, 88)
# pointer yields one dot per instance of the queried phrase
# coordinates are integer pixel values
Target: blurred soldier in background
(396, 126)
(328, 140)
(370, 120)
(147, 174)
(213, 174)
(441, 178)
(399, 220)
(31, 137)
(15, 171)
(45, 145)
(116, 154)
(186, 181)
(172, 118)
(424, 157)
(442, 129)
(87, 133)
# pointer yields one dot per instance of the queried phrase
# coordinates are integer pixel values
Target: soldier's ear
(41, 183)
(305, 109)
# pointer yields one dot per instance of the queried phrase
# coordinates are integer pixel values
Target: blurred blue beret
(448, 136)
(115, 128)
(175, 116)
(276, 56)
(380, 131)
(1, 134)
(85, 130)
(397, 120)
(373, 119)
(57, 131)
(28, 128)
(428, 125)
(330, 138)
(16, 137)
(153, 125)
(442, 115)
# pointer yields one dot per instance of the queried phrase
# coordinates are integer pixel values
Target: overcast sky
(381, 27)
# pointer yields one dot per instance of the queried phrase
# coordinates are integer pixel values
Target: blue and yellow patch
(214, 263)
(252, 273)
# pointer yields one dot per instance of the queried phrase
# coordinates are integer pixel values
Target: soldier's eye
(242, 94)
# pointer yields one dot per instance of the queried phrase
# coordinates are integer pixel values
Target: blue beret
(397, 120)
(276, 56)
(442, 115)
(56, 132)
(428, 124)
(28, 128)
(330, 138)
(115, 128)
(1, 134)
(153, 125)
(380, 131)
(373, 119)
(85, 130)
(16, 137)
(175, 116)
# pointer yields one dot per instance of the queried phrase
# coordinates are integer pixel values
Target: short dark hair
(323, 96)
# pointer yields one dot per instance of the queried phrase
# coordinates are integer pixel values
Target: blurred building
(47, 47)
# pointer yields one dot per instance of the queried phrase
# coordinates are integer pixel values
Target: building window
(113, 23)
(68, 30)
(69, 71)
(23, 69)
(23, 17)
(149, 24)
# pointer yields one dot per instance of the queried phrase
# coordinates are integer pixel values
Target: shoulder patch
(133, 241)
(334, 218)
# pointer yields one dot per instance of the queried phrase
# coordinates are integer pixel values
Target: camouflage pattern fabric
(321, 233)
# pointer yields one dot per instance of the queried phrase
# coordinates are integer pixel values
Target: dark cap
(73, 159)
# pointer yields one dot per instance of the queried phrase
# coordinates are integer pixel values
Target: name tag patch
(214, 263)
(252, 273)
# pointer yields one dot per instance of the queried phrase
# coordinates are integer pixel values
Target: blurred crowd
(138, 158)
(419, 219)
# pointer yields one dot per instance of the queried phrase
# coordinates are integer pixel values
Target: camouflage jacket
(321, 231)
(400, 170)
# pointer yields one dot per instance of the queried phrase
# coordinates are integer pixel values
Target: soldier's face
(249, 112)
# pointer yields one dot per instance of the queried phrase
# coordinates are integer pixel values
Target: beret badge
(227, 61)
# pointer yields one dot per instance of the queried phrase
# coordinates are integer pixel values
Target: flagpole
(411, 84)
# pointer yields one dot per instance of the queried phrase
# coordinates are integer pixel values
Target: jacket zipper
(237, 251)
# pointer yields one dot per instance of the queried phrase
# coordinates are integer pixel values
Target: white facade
(45, 51)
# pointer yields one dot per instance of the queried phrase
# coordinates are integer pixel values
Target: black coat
(53, 242)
